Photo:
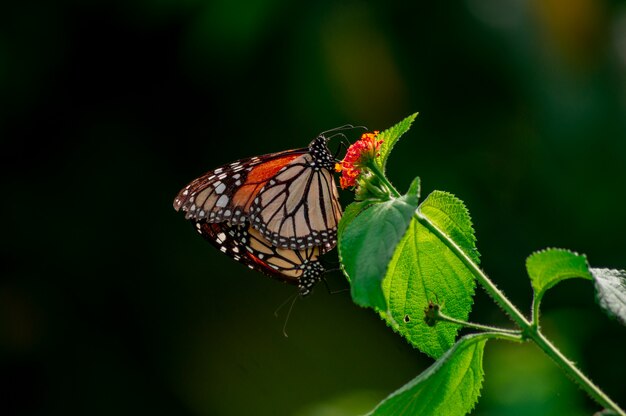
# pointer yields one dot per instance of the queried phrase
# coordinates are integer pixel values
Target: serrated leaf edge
(566, 276)
(433, 368)
(472, 235)
(382, 161)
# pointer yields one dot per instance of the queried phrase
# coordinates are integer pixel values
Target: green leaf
(451, 386)
(548, 267)
(452, 217)
(424, 269)
(611, 292)
(367, 244)
(349, 214)
(390, 137)
(415, 188)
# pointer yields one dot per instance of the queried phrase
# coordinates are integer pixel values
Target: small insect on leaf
(431, 313)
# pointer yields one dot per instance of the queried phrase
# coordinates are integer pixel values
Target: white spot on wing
(222, 201)
(219, 188)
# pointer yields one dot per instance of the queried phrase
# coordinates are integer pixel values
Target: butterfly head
(318, 148)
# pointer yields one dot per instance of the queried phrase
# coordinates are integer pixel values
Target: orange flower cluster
(358, 155)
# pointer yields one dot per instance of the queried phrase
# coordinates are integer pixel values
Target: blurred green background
(110, 303)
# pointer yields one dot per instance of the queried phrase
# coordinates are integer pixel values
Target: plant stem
(480, 276)
(443, 317)
(506, 336)
(376, 171)
(573, 372)
(535, 311)
(529, 330)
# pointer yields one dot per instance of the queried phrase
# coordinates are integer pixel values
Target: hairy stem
(573, 372)
(443, 317)
(373, 167)
(440, 316)
(495, 293)
(529, 330)
(535, 312)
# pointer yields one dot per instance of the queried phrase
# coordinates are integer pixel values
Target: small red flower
(358, 156)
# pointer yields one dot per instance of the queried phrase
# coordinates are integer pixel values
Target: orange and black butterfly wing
(225, 193)
(299, 207)
(245, 245)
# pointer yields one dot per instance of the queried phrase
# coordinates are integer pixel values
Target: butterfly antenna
(337, 134)
(342, 128)
(342, 146)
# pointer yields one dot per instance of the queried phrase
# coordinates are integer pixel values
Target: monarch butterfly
(246, 245)
(290, 197)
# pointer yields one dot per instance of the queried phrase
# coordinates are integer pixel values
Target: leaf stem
(506, 336)
(529, 330)
(373, 167)
(535, 311)
(440, 316)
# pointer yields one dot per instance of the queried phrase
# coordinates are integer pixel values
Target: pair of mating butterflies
(275, 213)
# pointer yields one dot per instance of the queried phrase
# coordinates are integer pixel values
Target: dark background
(111, 304)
